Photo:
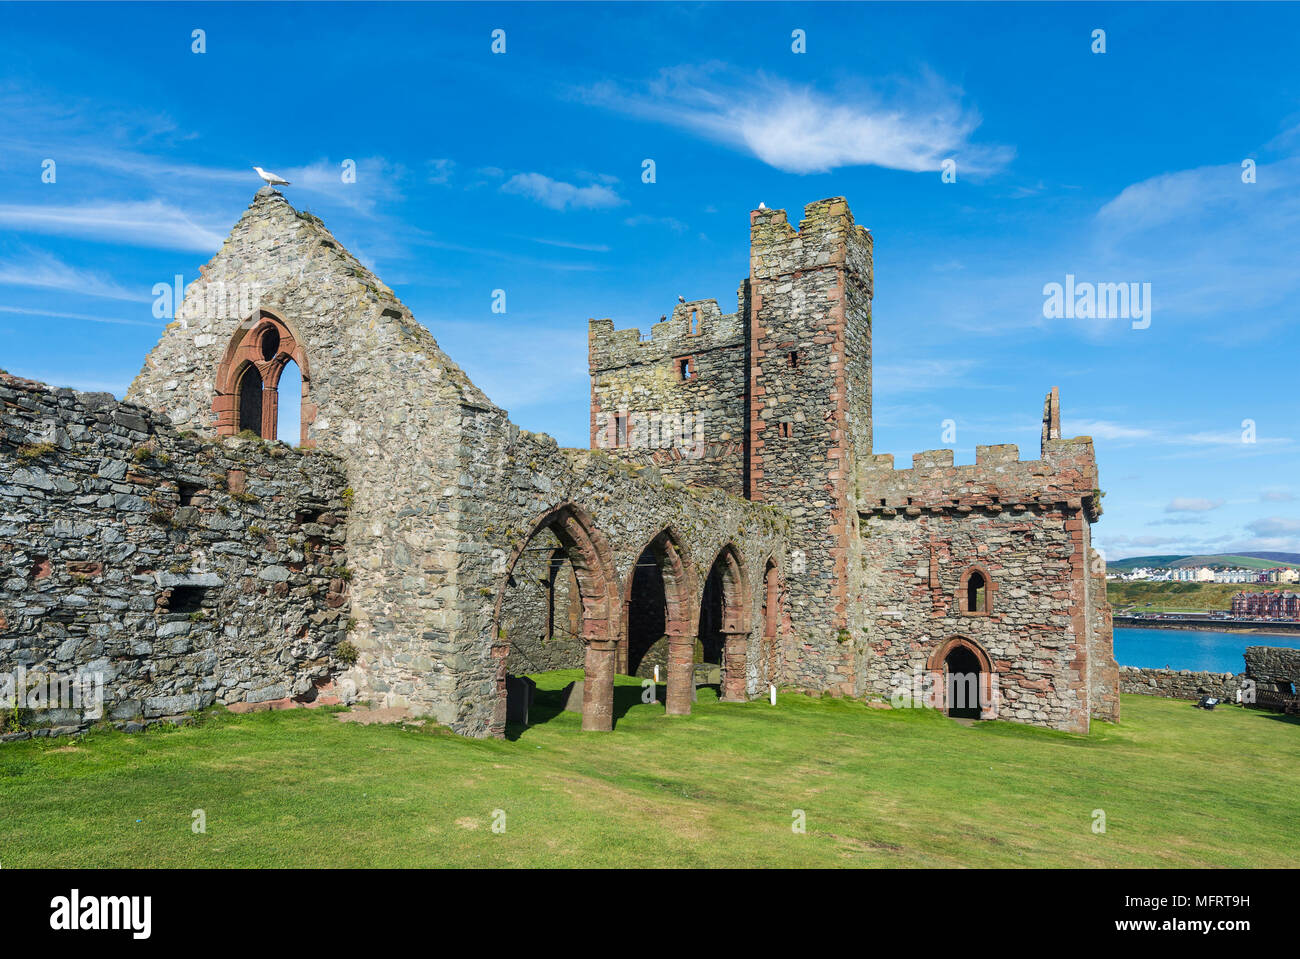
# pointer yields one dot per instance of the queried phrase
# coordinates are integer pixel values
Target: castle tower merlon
(1051, 418)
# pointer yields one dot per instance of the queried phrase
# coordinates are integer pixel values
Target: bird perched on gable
(680, 298)
(271, 178)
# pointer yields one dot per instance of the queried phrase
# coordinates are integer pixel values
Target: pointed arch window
(248, 383)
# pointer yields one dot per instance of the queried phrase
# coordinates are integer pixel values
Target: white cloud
(1274, 526)
(1187, 504)
(644, 219)
(801, 130)
(440, 171)
(558, 195)
(150, 223)
(45, 271)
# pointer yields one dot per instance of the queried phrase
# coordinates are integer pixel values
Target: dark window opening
(792, 359)
(620, 429)
(307, 516)
(976, 593)
(270, 343)
(187, 492)
(186, 599)
(785, 430)
(250, 401)
(686, 370)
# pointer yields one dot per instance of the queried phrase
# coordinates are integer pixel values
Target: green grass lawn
(1179, 787)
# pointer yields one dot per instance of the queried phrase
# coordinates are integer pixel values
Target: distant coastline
(1215, 625)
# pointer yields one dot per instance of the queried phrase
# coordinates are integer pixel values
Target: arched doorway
(248, 382)
(598, 594)
(658, 617)
(964, 679)
(724, 622)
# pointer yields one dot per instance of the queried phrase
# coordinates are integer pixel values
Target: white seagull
(271, 178)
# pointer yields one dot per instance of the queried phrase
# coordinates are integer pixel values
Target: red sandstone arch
(678, 574)
(773, 588)
(990, 590)
(264, 343)
(735, 626)
(598, 591)
(937, 666)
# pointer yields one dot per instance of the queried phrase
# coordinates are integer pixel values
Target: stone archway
(672, 575)
(598, 592)
(965, 683)
(725, 600)
(255, 358)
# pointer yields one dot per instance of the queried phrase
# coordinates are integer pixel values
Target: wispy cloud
(46, 271)
(1187, 504)
(1274, 526)
(644, 219)
(150, 223)
(81, 317)
(914, 126)
(558, 195)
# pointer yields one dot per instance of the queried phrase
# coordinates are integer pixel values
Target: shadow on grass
(548, 704)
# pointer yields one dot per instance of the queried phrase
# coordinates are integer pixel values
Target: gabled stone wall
(184, 572)
(443, 485)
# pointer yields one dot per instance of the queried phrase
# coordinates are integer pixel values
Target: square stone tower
(810, 413)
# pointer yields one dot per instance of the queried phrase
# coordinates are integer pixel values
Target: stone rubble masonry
(642, 380)
(445, 488)
(883, 553)
(1179, 683)
(1026, 526)
(810, 416)
(1273, 669)
(186, 572)
(454, 512)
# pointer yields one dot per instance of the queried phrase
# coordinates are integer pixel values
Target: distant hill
(1262, 560)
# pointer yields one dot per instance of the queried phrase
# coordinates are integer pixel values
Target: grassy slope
(1181, 596)
(1179, 786)
(1208, 559)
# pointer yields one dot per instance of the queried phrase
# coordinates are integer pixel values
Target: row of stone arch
(604, 608)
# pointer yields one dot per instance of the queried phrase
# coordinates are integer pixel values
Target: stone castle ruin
(418, 548)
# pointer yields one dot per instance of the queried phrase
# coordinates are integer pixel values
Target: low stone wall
(1179, 683)
(181, 573)
(1274, 668)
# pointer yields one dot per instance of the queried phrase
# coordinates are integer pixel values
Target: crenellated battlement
(827, 236)
(1065, 474)
(692, 327)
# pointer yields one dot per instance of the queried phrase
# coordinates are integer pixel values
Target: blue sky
(522, 171)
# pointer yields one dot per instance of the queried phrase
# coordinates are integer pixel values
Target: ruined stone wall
(810, 415)
(1024, 526)
(691, 427)
(1179, 683)
(1274, 668)
(185, 572)
(510, 479)
(382, 396)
